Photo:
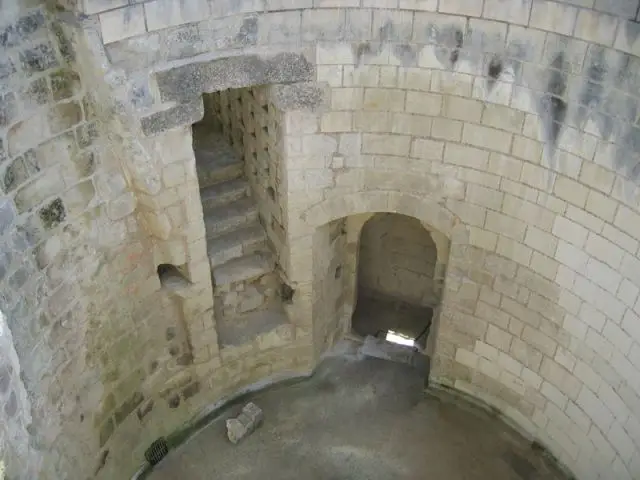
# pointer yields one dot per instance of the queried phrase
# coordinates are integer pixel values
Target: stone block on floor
(244, 424)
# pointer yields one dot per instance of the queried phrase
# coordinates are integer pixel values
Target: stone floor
(360, 418)
(375, 315)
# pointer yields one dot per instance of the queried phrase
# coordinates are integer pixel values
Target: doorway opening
(238, 174)
(397, 289)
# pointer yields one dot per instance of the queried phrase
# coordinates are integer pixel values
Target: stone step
(236, 243)
(223, 193)
(381, 348)
(213, 168)
(265, 326)
(242, 269)
(232, 216)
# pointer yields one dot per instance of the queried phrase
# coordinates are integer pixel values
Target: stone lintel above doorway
(181, 83)
(290, 74)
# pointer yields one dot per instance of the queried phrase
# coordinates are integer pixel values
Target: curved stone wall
(508, 126)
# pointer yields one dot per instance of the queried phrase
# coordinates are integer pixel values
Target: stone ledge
(172, 117)
(182, 83)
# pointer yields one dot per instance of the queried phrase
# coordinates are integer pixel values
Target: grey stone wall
(19, 459)
(397, 260)
(45, 165)
(99, 344)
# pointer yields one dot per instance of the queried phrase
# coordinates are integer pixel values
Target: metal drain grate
(156, 451)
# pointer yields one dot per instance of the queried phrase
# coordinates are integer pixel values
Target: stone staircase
(242, 266)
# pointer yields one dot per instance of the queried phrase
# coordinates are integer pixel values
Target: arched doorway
(397, 280)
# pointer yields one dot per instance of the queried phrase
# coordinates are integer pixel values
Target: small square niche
(172, 276)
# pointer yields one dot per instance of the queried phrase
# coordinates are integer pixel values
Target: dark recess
(286, 293)
(494, 71)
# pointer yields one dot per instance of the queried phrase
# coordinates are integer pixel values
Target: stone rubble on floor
(244, 424)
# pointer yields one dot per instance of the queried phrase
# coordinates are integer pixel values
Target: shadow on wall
(397, 259)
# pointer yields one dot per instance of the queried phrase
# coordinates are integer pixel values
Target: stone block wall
(102, 349)
(17, 457)
(397, 259)
(432, 121)
(51, 200)
(329, 297)
(507, 126)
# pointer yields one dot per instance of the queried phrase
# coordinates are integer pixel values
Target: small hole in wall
(172, 276)
(271, 192)
(338, 272)
(286, 293)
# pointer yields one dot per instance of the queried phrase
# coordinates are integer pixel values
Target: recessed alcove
(396, 286)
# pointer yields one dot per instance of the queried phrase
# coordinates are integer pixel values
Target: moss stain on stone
(53, 214)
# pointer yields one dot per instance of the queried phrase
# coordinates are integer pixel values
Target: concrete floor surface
(360, 419)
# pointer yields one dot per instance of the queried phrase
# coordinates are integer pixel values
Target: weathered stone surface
(512, 142)
(182, 83)
(300, 96)
(36, 94)
(65, 84)
(64, 116)
(5, 378)
(7, 215)
(250, 419)
(8, 109)
(38, 59)
(183, 114)
(21, 30)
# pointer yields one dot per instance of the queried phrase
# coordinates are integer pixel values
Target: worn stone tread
(216, 161)
(224, 193)
(232, 216)
(240, 329)
(215, 168)
(242, 269)
(235, 243)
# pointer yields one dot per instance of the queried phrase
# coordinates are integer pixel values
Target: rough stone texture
(249, 419)
(172, 117)
(195, 78)
(509, 130)
(17, 457)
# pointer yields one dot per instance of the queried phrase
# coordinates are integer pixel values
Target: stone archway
(397, 290)
(329, 319)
